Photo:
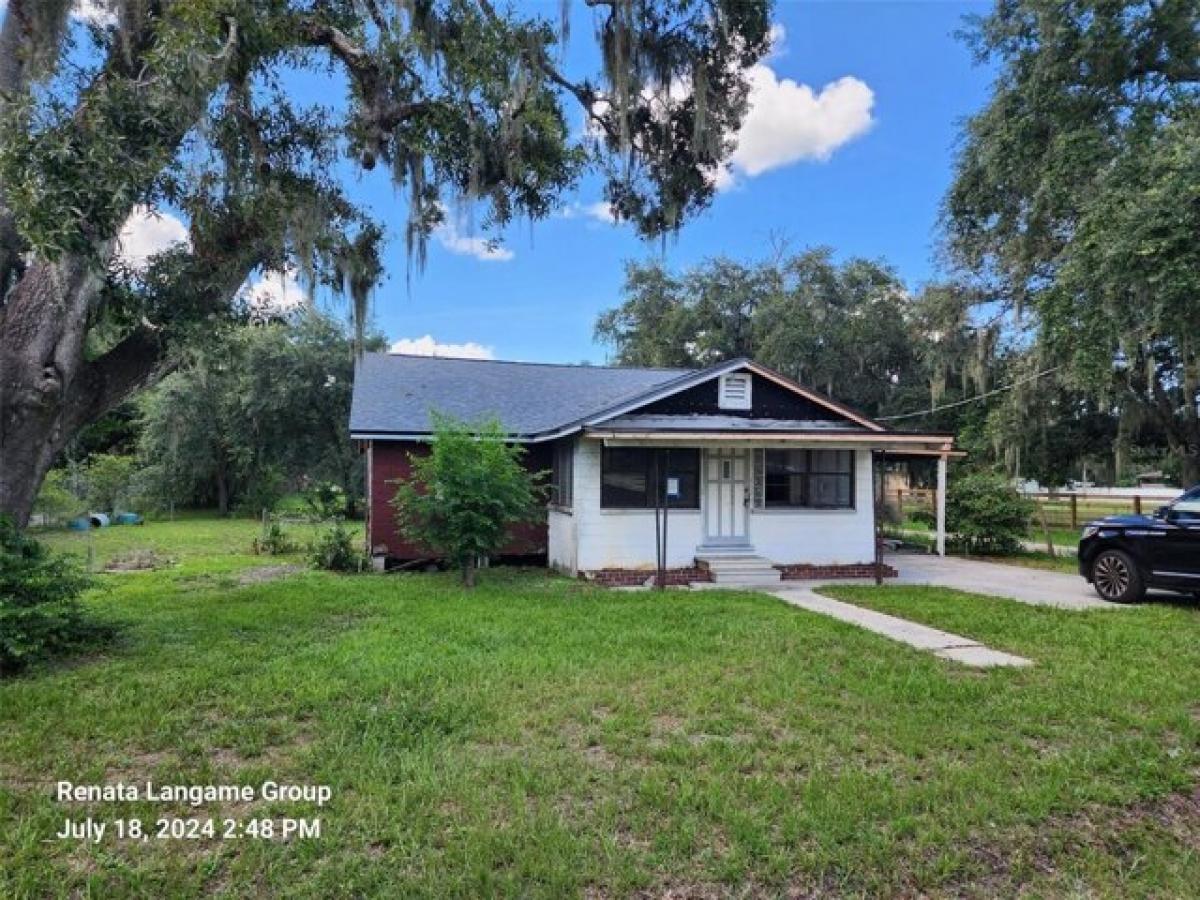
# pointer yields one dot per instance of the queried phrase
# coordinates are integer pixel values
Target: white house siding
(821, 536)
(623, 539)
(562, 542)
(591, 538)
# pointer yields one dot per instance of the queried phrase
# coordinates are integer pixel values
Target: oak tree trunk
(49, 389)
(42, 328)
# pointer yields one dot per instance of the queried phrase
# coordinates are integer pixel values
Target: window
(1186, 511)
(804, 479)
(734, 391)
(562, 474)
(628, 476)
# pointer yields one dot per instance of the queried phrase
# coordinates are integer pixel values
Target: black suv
(1123, 555)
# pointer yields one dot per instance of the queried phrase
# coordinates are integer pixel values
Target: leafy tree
(191, 106)
(40, 612)
(1076, 198)
(462, 497)
(55, 501)
(108, 479)
(193, 430)
(831, 326)
(255, 410)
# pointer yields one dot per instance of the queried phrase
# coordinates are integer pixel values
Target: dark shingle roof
(395, 393)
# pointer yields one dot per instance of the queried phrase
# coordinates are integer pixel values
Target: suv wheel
(1116, 578)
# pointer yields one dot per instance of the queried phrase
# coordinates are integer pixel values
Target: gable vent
(734, 391)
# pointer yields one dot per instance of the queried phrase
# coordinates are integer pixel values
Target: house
(764, 475)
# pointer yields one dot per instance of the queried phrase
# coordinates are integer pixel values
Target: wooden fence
(1058, 511)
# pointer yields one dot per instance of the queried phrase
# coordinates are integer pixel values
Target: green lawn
(539, 737)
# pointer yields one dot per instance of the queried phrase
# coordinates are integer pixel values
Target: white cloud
(94, 12)
(777, 35)
(600, 211)
(147, 232)
(451, 235)
(427, 346)
(276, 292)
(789, 122)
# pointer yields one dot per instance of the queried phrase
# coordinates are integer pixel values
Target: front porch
(730, 508)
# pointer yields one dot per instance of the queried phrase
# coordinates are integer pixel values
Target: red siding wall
(389, 462)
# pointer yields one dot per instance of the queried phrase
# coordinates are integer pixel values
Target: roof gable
(773, 397)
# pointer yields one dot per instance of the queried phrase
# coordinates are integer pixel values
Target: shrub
(325, 500)
(926, 517)
(40, 612)
(986, 514)
(464, 495)
(334, 549)
(274, 541)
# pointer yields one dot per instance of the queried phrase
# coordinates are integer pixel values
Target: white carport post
(941, 505)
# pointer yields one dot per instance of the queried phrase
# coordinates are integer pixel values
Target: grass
(541, 738)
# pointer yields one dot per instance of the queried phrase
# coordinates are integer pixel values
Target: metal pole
(666, 512)
(877, 459)
(941, 505)
(658, 550)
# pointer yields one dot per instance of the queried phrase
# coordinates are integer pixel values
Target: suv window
(1186, 510)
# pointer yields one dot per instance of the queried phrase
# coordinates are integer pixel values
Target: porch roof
(674, 430)
(722, 423)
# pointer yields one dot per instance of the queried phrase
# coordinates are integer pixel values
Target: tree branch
(584, 93)
(137, 360)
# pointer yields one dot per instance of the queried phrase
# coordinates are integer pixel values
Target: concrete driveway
(1033, 586)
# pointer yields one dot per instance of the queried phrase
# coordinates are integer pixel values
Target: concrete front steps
(737, 567)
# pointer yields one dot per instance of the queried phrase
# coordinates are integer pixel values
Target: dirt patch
(263, 574)
(137, 768)
(1002, 866)
(666, 724)
(141, 560)
(599, 757)
(205, 582)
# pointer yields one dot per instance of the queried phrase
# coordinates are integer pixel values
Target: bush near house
(463, 496)
(986, 514)
(335, 550)
(40, 612)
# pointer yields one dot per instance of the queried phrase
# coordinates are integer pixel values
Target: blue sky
(849, 145)
(877, 194)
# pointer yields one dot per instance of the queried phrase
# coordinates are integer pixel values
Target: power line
(986, 394)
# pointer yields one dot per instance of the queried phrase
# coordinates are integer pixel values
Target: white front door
(726, 494)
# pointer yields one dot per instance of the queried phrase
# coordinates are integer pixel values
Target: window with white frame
(733, 391)
(804, 479)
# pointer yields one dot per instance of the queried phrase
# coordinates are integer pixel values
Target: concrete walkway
(940, 643)
(1036, 545)
(1034, 586)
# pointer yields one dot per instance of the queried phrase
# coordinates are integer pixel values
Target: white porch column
(941, 505)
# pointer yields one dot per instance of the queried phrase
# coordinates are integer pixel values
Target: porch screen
(804, 479)
(627, 476)
(562, 474)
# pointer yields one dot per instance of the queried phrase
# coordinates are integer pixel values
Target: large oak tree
(192, 106)
(1077, 199)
